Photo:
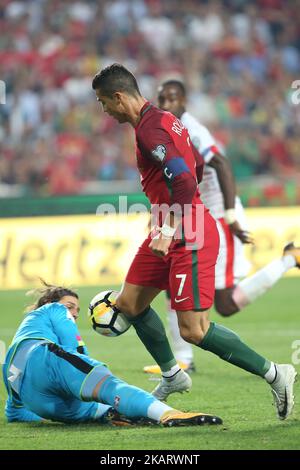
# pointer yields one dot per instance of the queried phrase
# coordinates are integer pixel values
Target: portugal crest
(159, 153)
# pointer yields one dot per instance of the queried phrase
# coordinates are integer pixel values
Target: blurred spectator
(237, 57)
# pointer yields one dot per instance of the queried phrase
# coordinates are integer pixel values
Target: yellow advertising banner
(272, 228)
(73, 250)
(97, 250)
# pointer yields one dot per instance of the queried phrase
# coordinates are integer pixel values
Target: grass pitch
(271, 326)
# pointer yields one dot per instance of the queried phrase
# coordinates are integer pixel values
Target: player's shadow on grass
(259, 433)
(79, 427)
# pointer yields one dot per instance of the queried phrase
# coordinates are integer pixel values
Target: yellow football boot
(179, 418)
(155, 369)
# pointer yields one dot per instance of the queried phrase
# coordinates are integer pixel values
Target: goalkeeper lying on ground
(49, 375)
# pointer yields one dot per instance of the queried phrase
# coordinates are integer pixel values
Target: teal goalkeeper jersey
(52, 322)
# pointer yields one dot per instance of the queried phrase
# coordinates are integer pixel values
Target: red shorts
(188, 274)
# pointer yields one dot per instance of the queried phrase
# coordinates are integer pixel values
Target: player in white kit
(218, 193)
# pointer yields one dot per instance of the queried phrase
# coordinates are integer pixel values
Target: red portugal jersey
(168, 163)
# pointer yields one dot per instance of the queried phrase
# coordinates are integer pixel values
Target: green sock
(152, 333)
(229, 347)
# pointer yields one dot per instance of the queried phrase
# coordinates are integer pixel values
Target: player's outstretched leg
(182, 350)
(248, 290)
(134, 301)
(134, 402)
(229, 347)
(151, 331)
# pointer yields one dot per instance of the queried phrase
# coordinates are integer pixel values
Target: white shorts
(232, 265)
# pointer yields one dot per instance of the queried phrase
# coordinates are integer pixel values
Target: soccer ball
(105, 317)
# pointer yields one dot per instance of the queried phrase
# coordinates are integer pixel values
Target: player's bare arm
(227, 184)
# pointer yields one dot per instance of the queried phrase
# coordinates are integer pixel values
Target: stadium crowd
(238, 59)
